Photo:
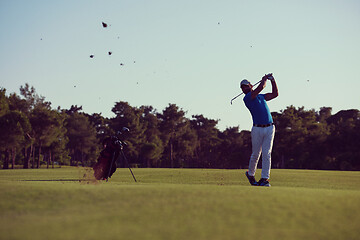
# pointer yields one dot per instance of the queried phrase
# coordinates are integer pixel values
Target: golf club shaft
(235, 97)
(242, 93)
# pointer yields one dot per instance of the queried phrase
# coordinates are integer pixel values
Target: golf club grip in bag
(106, 164)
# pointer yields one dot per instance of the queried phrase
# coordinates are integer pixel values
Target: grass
(178, 204)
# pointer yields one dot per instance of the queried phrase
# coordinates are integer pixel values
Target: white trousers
(262, 142)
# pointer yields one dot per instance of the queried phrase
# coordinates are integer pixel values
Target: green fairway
(178, 204)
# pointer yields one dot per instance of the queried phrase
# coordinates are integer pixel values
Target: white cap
(244, 82)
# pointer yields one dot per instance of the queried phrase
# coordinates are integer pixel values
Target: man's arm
(261, 86)
(274, 93)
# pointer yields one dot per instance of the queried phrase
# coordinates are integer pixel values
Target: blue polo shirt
(259, 109)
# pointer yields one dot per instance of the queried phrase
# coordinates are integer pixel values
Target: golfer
(263, 130)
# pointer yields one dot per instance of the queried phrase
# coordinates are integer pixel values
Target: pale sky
(189, 53)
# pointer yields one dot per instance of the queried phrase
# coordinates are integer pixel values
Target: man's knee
(255, 155)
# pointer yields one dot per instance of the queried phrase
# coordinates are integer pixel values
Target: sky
(189, 53)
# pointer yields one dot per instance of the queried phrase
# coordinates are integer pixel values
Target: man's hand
(270, 76)
(274, 92)
(259, 88)
(264, 78)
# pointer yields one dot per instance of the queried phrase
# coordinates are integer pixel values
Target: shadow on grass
(56, 180)
(81, 181)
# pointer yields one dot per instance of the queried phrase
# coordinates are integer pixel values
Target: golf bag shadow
(106, 164)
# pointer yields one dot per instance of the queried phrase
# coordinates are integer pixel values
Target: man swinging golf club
(263, 130)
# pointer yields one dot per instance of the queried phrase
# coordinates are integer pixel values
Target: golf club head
(125, 129)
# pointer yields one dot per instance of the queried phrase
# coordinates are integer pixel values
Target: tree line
(33, 134)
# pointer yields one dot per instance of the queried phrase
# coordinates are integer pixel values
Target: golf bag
(106, 164)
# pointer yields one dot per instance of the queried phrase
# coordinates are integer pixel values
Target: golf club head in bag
(106, 164)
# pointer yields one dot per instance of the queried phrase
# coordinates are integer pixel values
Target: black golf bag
(106, 165)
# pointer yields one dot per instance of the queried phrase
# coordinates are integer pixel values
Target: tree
(14, 126)
(324, 114)
(235, 148)
(102, 126)
(82, 144)
(304, 138)
(173, 125)
(32, 99)
(56, 149)
(185, 146)
(343, 145)
(15, 103)
(4, 106)
(47, 128)
(152, 149)
(207, 141)
(299, 139)
(130, 117)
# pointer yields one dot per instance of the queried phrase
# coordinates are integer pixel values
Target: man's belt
(263, 125)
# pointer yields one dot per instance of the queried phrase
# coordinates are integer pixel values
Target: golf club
(242, 92)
